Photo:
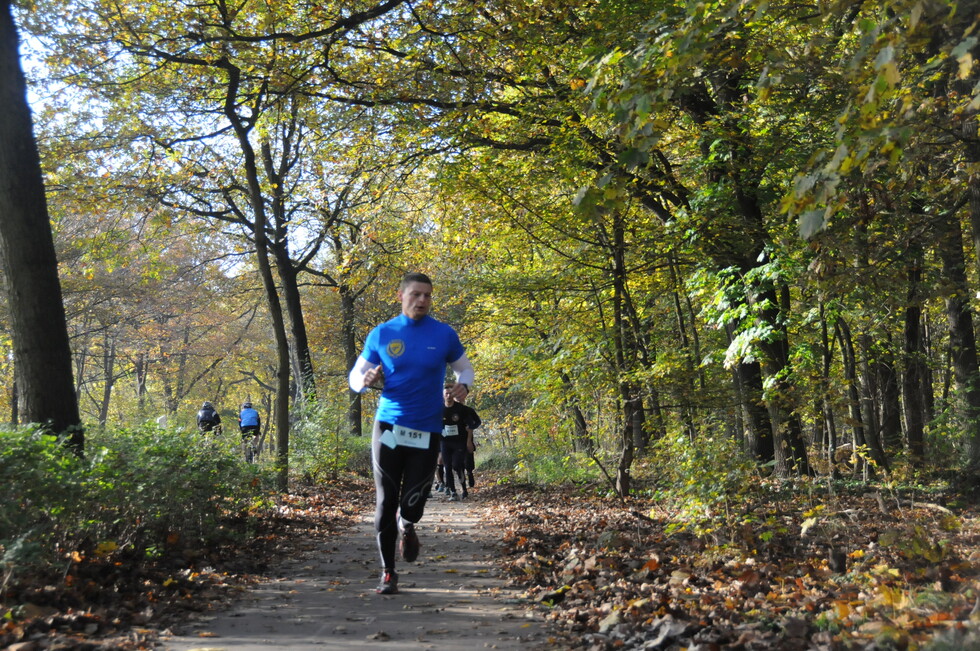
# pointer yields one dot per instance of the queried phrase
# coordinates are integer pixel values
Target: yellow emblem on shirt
(396, 347)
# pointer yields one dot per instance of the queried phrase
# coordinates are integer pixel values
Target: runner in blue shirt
(250, 427)
(409, 353)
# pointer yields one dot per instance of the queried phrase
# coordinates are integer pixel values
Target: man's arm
(464, 378)
(363, 375)
(475, 420)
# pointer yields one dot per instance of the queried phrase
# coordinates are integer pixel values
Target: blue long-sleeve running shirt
(413, 355)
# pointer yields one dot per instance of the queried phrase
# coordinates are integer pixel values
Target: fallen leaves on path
(868, 573)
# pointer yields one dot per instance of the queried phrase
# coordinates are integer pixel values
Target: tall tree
(42, 355)
(910, 121)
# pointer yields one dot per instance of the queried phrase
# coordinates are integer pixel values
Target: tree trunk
(581, 437)
(80, 338)
(929, 378)
(288, 277)
(14, 404)
(757, 431)
(42, 352)
(268, 280)
(868, 391)
(108, 379)
(689, 363)
(967, 340)
(827, 408)
(349, 343)
(914, 385)
(639, 417)
(624, 479)
(872, 401)
(787, 431)
(963, 345)
(140, 370)
(849, 360)
(625, 348)
(658, 429)
(646, 349)
(743, 245)
(277, 172)
(890, 415)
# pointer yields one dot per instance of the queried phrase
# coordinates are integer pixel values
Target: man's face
(448, 399)
(416, 299)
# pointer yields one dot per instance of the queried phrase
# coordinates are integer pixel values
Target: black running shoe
(410, 543)
(389, 583)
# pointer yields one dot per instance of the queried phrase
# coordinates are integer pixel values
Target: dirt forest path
(452, 597)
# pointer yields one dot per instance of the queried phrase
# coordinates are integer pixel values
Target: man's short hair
(414, 277)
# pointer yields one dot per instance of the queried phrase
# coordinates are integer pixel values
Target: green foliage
(321, 449)
(944, 438)
(707, 482)
(556, 468)
(661, 274)
(498, 460)
(137, 490)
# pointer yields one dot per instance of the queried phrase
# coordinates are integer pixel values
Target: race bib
(450, 430)
(410, 438)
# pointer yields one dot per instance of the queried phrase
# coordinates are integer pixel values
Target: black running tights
(402, 479)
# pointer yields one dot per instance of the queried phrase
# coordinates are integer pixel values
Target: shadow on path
(452, 597)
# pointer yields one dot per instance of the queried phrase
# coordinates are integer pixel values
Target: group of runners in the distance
(249, 425)
(456, 451)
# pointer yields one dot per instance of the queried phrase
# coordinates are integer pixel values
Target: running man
(208, 418)
(249, 425)
(471, 454)
(409, 353)
(458, 423)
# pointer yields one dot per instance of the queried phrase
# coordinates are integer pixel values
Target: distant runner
(250, 427)
(458, 423)
(208, 418)
(471, 454)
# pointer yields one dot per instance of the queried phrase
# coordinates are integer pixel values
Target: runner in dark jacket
(207, 418)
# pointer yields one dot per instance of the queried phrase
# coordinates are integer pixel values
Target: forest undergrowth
(805, 565)
(119, 601)
(791, 565)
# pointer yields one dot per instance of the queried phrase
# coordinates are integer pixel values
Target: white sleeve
(356, 377)
(464, 370)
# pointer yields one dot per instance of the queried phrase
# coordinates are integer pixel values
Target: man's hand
(372, 375)
(458, 392)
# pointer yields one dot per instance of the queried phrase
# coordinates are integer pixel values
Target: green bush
(701, 480)
(348, 454)
(137, 490)
(320, 448)
(556, 468)
(497, 460)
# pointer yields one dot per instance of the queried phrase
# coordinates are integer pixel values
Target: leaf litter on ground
(858, 571)
(122, 601)
(865, 573)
